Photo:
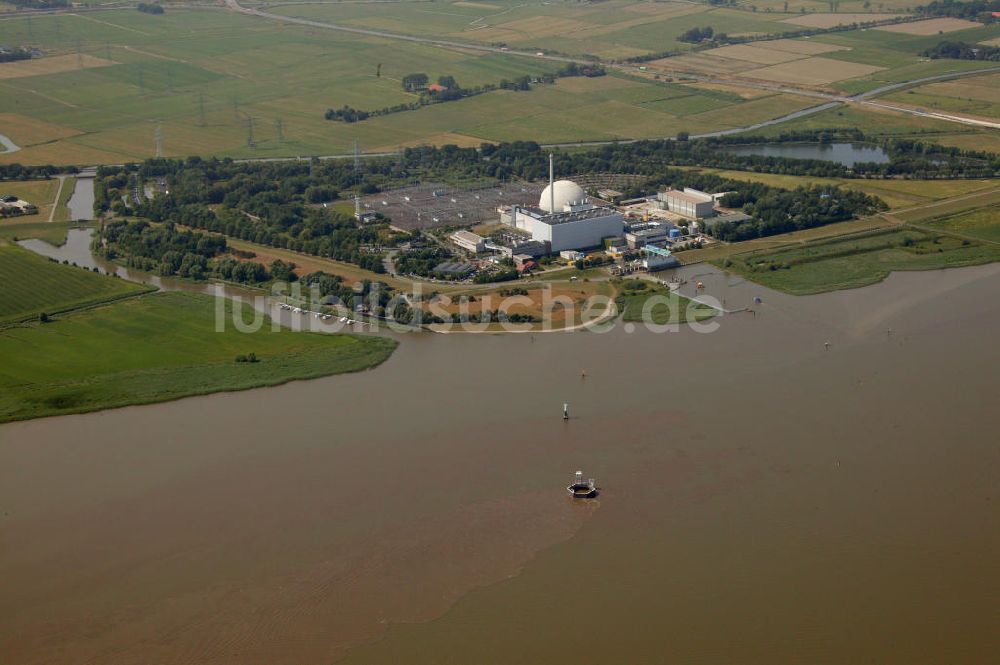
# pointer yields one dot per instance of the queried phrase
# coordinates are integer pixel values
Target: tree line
(449, 90)
(976, 10)
(962, 51)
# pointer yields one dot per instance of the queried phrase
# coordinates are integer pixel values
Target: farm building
(11, 206)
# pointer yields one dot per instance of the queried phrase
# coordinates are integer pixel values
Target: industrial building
(689, 203)
(469, 241)
(656, 258)
(640, 235)
(565, 218)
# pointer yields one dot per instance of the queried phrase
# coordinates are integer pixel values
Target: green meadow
(33, 284)
(983, 224)
(636, 297)
(849, 262)
(156, 348)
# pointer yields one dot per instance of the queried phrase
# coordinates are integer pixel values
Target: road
(8, 145)
(55, 205)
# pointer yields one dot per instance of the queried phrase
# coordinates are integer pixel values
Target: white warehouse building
(566, 219)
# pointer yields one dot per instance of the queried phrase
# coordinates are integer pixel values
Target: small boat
(582, 489)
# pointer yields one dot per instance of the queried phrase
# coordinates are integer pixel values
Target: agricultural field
(42, 193)
(157, 348)
(853, 261)
(231, 77)
(613, 29)
(33, 284)
(820, 20)
(975, 95)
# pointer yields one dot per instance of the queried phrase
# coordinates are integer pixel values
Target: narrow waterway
(766, 498)
(81, 203)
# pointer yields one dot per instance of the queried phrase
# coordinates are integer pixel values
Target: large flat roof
(690, 198)
(566, 217)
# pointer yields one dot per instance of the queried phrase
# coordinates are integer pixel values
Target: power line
(158, 138)
(250, 141)
(279, 131)
(201, 108)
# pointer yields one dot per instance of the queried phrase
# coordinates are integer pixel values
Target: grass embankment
(851, 262)
(983, 224)
(33, 284)
(157, 348)
(669, 307)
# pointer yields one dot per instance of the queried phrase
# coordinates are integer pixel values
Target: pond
(847, 154)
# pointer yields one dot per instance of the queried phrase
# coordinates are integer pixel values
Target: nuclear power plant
(565, 218)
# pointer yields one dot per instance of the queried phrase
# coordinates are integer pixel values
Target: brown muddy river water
(765, 500)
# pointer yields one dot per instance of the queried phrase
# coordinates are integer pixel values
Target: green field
(34, 284)
(157, 348)
(634, 294)
(201, 75)
(852, 261)
(983, 224)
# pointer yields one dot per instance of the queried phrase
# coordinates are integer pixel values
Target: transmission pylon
(158, 139)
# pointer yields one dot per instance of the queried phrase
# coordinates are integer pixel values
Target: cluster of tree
(698, 35)
(42, 171)
(977, 10)
(265, 203)
(163, 250)
(493, 316)
(777, 211)
(503, 274)
(516, 291)
(414, 82)
(376, 298)
(346, 114)
(150, 8)
(962, 51)
(422, 261)
(577, 69)
(16, 53)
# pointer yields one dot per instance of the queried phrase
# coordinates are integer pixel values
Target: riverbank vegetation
(33, 285)
(852, 261)
(648, 302)
(157, 348)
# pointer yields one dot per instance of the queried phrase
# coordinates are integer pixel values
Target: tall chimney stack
(552, 184)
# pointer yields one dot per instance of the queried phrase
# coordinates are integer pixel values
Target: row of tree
(962, 51)
(977, 10)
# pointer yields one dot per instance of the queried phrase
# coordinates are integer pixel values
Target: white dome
(568, 193)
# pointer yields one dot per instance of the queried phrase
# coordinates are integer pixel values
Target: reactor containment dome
(563, 196)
